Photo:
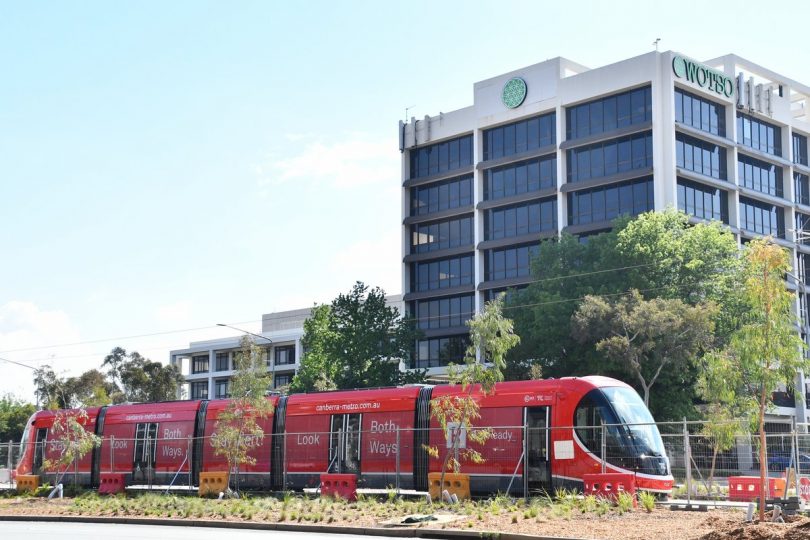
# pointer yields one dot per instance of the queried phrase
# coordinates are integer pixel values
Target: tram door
(39, 449)
(143, 461)
(344, 444)
(537, 475)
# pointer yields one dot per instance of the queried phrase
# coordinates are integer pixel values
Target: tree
(146, 381)
(69, 434)
(644, 337)
(356, 343)
(237, 429)
(492, 336)
(662, 255)
(765, 352)
(14, 414)
(317, 372)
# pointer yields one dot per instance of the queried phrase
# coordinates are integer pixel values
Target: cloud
(350, 163)
(24, 325)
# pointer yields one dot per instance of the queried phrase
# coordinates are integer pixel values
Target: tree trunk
(763, 458)
(711, 472)
(646, 395)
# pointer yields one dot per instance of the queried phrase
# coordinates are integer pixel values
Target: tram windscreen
(632, 412)
(631, 439)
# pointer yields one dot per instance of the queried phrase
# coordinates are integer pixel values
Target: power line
(18, 363)
(184, 330)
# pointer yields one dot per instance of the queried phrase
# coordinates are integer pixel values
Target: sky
(166, 166)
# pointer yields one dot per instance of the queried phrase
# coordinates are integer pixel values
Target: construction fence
(701, 456)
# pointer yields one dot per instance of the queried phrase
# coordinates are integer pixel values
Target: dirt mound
(797, 528)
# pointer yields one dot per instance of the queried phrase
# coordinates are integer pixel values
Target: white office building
(557, 146)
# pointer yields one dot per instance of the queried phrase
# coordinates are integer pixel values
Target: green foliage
(492, 336)
(356, 342)
(647, 500)
(765, 352)
(645, 337)
(624, 502)
(70, 435)
(237, 429)
(660, 254)
(129, 377)
(14, 414)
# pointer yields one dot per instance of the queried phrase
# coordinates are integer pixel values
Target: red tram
(545, 434)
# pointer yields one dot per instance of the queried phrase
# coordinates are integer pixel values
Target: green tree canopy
(357, 342)
(14, 413)
(662, 255)
(645, 337)
(765, 352)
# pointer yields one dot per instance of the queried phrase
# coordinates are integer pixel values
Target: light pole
(246, 332)
(32, 368)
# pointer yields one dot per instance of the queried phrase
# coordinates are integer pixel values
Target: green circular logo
(679, 67)
(514, 92)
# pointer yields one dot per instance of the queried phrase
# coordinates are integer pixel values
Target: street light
(245, 332)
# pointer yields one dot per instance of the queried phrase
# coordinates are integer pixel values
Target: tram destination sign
(703, 76)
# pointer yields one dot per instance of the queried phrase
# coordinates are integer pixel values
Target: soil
(661, 524)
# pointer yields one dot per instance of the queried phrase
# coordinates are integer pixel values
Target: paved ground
(30, 530)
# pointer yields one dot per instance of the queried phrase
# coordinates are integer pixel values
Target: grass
(295, 508)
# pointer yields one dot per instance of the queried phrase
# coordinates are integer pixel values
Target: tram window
(588, 419)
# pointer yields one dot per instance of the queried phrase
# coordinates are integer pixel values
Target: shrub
(647, 500)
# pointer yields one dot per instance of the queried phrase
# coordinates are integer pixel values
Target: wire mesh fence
(700, 456)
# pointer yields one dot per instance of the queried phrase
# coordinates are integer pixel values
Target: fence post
(9, 460)
(112, 453)
(399, 451)
(687, 456)
(603, 448)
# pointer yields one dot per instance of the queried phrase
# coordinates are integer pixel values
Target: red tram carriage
(545, 434)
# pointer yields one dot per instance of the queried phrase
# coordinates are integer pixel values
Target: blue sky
(171, 165)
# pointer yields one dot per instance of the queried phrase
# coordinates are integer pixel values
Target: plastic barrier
(453, 483)
(609, 485)
(339, 485)
(27, 482)
(111, 483)
(804, 488)
(212, 483)
(746, 488)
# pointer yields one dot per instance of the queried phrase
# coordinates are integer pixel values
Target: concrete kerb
(365, 531)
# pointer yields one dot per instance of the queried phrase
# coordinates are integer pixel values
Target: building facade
(557, 147)
(208, 366)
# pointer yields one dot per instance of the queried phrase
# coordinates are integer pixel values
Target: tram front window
(632, 440)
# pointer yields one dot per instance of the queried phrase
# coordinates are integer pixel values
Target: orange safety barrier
(111, 483)
(609, 485)
(212, 483)
(27, 482)
(339, 485)
(458, 484)
(746, 488)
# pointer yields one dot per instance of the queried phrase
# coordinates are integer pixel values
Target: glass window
(759, 175)
(222, 361)
(199, 390)
(443, 312)
(608, 202)
(441, 157)
(802, 187)
(443, 274)
(800, 149)
(440, 351)
(762, 218)
(285, 355)
(759, 135)
(518, 137)
(606, 114)
(700, 156)
(511, 262)
(523, 218)
(454, 193)
(282, 379)
(606, 158)
(803, 228)
(426, 237)
(699, 113)
(222, 388)
(199, 363)
(702, 201)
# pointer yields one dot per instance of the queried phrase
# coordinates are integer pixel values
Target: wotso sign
(703, 76)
